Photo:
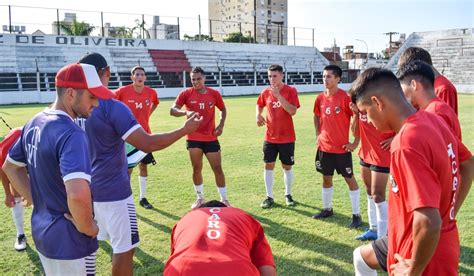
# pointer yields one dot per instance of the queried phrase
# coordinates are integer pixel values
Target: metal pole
(57, 17)
(199, 18)
(313, 37)
(184, 78)
(294, 37)
(255, 21)
(102, 22)
(210, 28)
(179, 37)
(143, 26)
(240, 31)
(10, 18)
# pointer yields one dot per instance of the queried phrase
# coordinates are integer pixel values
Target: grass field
(301, 245)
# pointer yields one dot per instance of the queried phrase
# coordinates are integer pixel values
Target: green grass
(301, 245)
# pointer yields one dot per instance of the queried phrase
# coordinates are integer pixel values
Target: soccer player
(424, 178)
(444, 89)
(374, 157)
(55, 151)
(13, 199)
(108, 128)
(201, 100)
(282, 103)
(332, 119)
(417, 81)
(219, 240)
(142, 101)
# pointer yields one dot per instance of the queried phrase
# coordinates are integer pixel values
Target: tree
(197, 38)
(123, 32)
(76, 28)
(238, 37)
(140, 27)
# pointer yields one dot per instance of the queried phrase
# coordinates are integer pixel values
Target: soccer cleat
(20, 243)
(145, 204)
(226, 202)
(289, 200)
(356, 221)
(368, 235)
(325, 213)
(198, 203)
(267, 203)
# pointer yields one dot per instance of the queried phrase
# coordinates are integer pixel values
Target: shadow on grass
(291, 267)
(158, 226)
(466, 259)
(34, 258)
(106, 247)
(306, 241)
(166, 214)
(146, 261)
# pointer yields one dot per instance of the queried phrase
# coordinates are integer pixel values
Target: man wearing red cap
(55, 152)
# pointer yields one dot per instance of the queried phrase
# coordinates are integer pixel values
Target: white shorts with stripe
(82, 266)
(117, 221)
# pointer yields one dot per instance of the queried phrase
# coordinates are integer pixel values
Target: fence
(130, 25)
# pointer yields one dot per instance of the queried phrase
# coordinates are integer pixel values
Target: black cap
(94, 59)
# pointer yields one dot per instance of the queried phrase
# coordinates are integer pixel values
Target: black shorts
(374, 168)
(327, 162)
(286, 153)
(380, 247)
(212, 146)
(148, 159)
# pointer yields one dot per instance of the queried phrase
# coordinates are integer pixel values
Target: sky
(345, 21)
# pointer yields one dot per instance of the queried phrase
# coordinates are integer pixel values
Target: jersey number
(276, 104)
(201, 105)
(138, 105)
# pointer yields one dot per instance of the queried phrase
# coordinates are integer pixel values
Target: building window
(269, 12)
(269, 2)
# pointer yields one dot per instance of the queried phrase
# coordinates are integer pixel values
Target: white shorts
(82, 266)
(117, 222)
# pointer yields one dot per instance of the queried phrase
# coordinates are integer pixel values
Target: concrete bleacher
(452, 53)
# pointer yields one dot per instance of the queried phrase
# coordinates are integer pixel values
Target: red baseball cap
(82, 76)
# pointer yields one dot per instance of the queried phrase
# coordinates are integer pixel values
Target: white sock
(199, 190)
(18, 212)
(327, 197)
(371, 213)
(382, 218)
(268, 177)
(288, 180)
(360, 266)
(222, 192)
(355, 201)
(142, 180)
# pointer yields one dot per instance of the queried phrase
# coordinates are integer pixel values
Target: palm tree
(76, 28)
(142, 31)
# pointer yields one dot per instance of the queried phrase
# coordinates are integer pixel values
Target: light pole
(367, 52)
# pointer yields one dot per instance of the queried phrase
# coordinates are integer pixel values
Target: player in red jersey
(422, 231)
(444, 89)
(374, 157)
(281, 102)
(332, 120)
(13, 199)
(417, 81)
(203, 101)
(142, 101)
(219, 240)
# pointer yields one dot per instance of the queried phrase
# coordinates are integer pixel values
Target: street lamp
(367, 52)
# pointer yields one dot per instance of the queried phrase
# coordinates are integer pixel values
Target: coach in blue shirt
(55, 152)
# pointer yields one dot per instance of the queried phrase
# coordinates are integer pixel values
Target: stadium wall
(25, 97)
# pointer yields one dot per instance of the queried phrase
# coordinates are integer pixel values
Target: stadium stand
(452, 52)
(27, 66)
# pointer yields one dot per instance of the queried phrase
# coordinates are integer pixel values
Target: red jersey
(141, 104)
(7, 143)
(280, 128)
(440, 108)
(371, 151)
(334, 116)
(424, 174)
(204, 104)
(218, 241)
(446, 91)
